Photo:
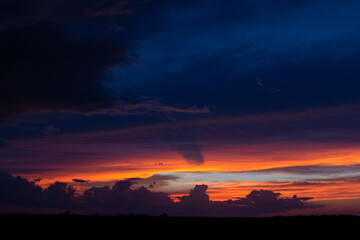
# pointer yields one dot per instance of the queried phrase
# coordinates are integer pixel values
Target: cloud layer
(122, 199)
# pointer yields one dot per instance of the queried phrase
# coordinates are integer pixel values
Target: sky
(190, 108)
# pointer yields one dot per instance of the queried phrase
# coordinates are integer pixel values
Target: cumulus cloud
(123, 198)
(17, 190)
(266, 201)
(196, 197)
(60, 195)
(256, 203)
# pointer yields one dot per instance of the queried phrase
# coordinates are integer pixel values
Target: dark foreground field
(95, 224)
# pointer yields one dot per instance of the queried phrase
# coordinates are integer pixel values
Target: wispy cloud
(313, 169)
(147, 105)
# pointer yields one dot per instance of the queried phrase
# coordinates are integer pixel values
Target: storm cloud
(52, 71)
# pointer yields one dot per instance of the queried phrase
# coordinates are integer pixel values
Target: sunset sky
(201, 107)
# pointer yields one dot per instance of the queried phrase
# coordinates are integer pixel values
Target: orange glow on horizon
(229, 161)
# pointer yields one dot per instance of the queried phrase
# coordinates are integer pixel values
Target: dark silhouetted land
(93, 223)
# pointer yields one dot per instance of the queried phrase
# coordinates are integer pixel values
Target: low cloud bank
(122, 199)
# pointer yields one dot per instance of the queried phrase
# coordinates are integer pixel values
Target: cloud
(111, 8)
(197, 197)
(60, 195)
(136, 105)
(122, 198)
(256, 203)
(266, 201)
(156, 106)
(17, 190)
(313, 169)
(23, 12)
(220, 69)
(184, 141)
(44, 69)
(52, 63)
(188, 148)
(191, 152)
(80, 180)
(50, 129)
(156, 180)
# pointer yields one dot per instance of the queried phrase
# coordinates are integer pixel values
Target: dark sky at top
(233, 57)
(134, 63)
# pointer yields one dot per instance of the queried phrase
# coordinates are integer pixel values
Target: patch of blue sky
(184, 178)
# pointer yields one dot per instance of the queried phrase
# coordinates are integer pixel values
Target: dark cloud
(163, 177)
(308, 183)
(80, 180)
(156, 180)
(266, 201)
(42, 68)
(258, 202)
(22, 12)
(229, 73)
(313, 169)
(56, 57)
(197, 196)
(122, 198)
(289, 185)
(330, 180)
(197, 201)
(191, 152)
(184, 141)
(60, 195)
(17, 190)
(234, 90)
(300, 66)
